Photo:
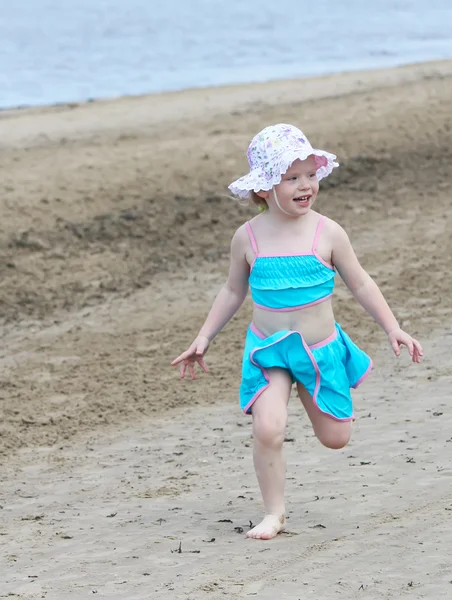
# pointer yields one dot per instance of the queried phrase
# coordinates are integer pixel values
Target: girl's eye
(312, 175)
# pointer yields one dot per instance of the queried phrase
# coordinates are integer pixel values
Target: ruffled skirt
(327, 369)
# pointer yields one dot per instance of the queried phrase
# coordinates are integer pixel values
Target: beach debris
(179, 550)
(209, 541)
(129, 215)
(318, 526)
(224, 521)
(28, 240)
(238, 529)
(77, 230)
(112, 515)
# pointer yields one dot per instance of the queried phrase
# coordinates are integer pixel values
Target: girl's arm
(226, 304)
(368, 294)
(233, 293)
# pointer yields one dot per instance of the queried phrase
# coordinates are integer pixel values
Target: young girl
(289, 255)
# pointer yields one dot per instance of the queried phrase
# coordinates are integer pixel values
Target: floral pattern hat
(270, 154)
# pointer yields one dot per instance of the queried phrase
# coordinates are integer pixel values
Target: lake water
(67, 50)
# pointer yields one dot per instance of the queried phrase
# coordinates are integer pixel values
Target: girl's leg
(331, 433)
(269, 426)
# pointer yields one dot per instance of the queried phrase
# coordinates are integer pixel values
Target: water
(68, 50)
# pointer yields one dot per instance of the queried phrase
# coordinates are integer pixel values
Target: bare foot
(268, 528)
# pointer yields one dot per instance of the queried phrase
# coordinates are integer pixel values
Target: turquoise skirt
(327, 369)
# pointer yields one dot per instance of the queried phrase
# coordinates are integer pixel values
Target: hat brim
(259, 181)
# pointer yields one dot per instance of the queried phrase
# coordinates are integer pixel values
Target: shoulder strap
(317, 233)
(252, 238)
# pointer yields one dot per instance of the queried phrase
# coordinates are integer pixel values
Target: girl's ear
(263, 195)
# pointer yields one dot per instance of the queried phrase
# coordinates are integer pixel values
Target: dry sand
(114, 240)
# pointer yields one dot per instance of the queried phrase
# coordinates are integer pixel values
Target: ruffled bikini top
(290, 282)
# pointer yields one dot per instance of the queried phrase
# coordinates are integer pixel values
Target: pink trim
(314, 364)
(320, 161)
(291, 308)
(316, 241)
(325, 342)
(252, 238)
(366, 374)
(313, 252)
(317, 376)
(259, 392)
(324, 263)
(285, 255)
(257, 332)
(317, 233)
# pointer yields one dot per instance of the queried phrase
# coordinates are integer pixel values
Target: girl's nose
(304, 183)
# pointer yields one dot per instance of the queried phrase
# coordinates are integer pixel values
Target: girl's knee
(335, 437)
(270, 430)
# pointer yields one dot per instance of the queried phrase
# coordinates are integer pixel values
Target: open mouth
(302, 199)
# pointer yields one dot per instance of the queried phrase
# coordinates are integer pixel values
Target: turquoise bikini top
(285, 283)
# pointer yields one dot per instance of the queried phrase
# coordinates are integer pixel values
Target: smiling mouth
(302, 199)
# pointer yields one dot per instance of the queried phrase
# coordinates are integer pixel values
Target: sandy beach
(116, 478)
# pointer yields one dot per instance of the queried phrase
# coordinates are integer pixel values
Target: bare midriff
(315, 323)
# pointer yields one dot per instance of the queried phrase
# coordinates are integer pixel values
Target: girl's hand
(397, 338)
(194, 354)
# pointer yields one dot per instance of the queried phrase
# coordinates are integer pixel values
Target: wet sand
(114, 240)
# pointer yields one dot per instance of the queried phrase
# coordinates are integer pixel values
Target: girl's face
(298, 188)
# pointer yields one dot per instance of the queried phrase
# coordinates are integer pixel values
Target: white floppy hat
(270, 154)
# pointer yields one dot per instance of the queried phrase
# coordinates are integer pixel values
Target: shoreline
(101, 99)
(47, 124)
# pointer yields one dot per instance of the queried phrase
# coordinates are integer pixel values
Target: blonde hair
(260, 202)
(252, 197)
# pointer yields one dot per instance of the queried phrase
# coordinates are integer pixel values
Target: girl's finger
(417, 354)
(409, 345)
(201, 348)
(191, 368)
(418, 347)
(396, 347)
(182, 368)
(183, 356)
(177, 360)
(203, 365)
